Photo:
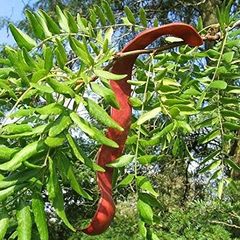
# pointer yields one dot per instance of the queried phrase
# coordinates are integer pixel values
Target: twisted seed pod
(106, 207)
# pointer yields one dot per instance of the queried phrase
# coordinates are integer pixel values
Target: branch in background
(226, 224)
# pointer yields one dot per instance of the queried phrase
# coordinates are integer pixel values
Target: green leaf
(6, 87)
(211, 156)
(147, 159)
(175, 102)
(60, 59)
(100, 15)
(35, 25)
(230, 114)
(61, 87)
(210, 136)
(216, 174)
(233, 89)
(109, 13)
(231, 126)
(52, 26)
(82, 24)
(40, 217)
(17, 178)
(233, 165)
(35, 131)
(66, 168)
(150, 200)
(186, 110)
(4, 222)
(145, 211)
(101, 115)
(7, 153)
(106, 93)
(200, 23)
(211, 166)
(121, 161)
(61, 50)
(21, 38)
(24, 220)
(220, 188)
(164, 131)
(22, 113)
(51, 109)
(80, 155)
(28, 59)
(48, 57)
(43, 23)
(165, 89)
(71, 22)
(142, 229)
(228, 57)
(4, 72)
(5, 193)
(92, 131)
(233, 43)
(21, 156)
(80, 51)
(54, 142)
(13, 236)
(63, 22)
(19, 65)
(42, 88)
(13, 128)
(218, 84)
(55, 194)
(129, 15)
(145, 184)
(109, 34)
(135, 102)
(93, 17)
(126, 181)
(59, 125)
(193, 92)
(207, 122)
(108, 75)
(171, 39)
(229, 101)
(148, 115)
(143, 18)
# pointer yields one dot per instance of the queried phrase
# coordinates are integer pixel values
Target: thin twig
(148, 51)
(227, 224)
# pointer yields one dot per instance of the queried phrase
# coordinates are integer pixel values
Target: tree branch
(224, 223)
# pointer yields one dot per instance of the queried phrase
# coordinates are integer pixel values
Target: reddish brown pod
(106, 207)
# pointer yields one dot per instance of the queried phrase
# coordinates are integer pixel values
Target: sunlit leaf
(121, 161)
(109, 75)
(92, 131)
(55, 194)
(101, 115)
(218, 84)
(40, 216)
(24, 220)
(148, 115)
(22, 39)
(4, 222)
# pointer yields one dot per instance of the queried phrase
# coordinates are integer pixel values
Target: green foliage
(185, 112)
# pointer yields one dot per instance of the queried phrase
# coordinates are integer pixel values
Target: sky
(12, 9)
